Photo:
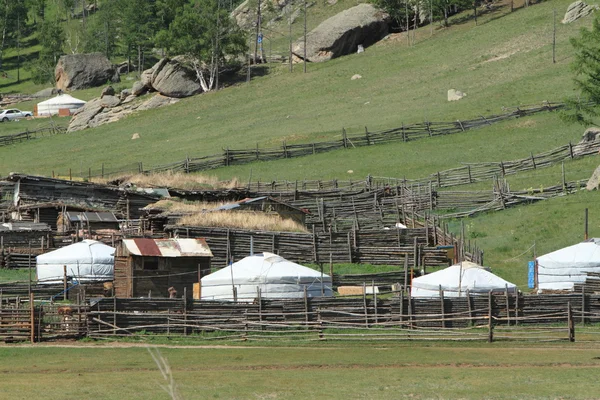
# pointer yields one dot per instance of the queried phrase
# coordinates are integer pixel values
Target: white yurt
(62, 101)
(562, 269)
(275, 276)
(86, 261)
(457, 279)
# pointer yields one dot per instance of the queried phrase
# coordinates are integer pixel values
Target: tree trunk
(139, 60)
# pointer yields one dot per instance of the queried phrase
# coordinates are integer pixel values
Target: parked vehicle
(14, 114)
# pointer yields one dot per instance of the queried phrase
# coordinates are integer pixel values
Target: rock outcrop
(80, 71)
(341, 34)
(594, 182)
(590, 135)
(106, 109)
(170, 78)
(578, 10)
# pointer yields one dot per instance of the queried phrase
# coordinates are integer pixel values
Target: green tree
(102, 31)
(586, 65)
(138, 27)
(205, 33)
(12, 14)
(52, 40)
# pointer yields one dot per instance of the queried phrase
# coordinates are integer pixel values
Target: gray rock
(124, 94)
(454, 95)
(80, 71)
(341, 34)
(590, 135)
(156, 102)
(108, 91)
(138, 88)
(82, 117)
(578, 10)
(172, 79)
(594, 182)
(48, 92)
(110, 101)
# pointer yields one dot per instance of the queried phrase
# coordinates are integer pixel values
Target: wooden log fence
(8, 140)
(492, 317)
(405, 133)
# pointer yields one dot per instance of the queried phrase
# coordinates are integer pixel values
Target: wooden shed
(149, 267)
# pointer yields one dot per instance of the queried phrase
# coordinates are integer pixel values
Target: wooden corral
(149, 267)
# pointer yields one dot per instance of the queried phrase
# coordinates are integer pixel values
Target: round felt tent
(457, 279)
(275, 276)
(86, 261)
(562, 269)
(61, 102)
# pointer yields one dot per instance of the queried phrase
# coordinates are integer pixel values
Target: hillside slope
(505, 61)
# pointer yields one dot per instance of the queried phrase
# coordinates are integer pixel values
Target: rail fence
(7, 140)
(243, 156)
(488, 317)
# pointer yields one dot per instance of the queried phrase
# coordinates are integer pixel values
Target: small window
(150, 263)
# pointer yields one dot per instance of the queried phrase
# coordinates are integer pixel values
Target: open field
(349, 371)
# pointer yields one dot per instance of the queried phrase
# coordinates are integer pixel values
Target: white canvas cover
(62, 101)
(456, 280)
(86, 261)
(275, 276)
(562, 269)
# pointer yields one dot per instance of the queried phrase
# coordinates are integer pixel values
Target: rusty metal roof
(168, 247)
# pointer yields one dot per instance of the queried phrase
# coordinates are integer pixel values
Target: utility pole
(554, 36)
(257, 31)
(290, 27)
(304, 36)
(218, 42)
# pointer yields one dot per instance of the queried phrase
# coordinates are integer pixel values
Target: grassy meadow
(335, 371)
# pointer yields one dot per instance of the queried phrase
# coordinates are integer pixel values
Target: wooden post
(516, 307)
(442, 306)
(401, 306)
(469, 307)
(533, 161)
(306, 307)
(374, 300)
(571, 150)
(582, 307)
(259, 300)
(490, 331)
(185, 331)
(29, 267)
(570, 323)
(585, 235)
(115, 315)
(365, 305)
(564, 182)
(64, 282)
(507, 304)
(32, 317)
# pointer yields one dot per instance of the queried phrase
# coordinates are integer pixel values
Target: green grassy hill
(506, 60)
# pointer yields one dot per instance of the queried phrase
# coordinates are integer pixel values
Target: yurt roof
(61, 99)
(263, 268)
(454, 278)
(84, 251)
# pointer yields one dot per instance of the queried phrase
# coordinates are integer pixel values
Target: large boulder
(594, 181)
(341, 34)
(107, 109)
(171, 78)
(80, 71)
(590, 135)
(578, 10)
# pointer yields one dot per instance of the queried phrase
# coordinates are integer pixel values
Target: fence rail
(488, 317)
(7, 140)
(243, 156)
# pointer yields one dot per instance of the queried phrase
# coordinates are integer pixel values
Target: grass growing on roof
(242, 220)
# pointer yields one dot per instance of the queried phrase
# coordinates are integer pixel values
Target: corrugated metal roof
(24, 226)
(87, 216)
(168, 247)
